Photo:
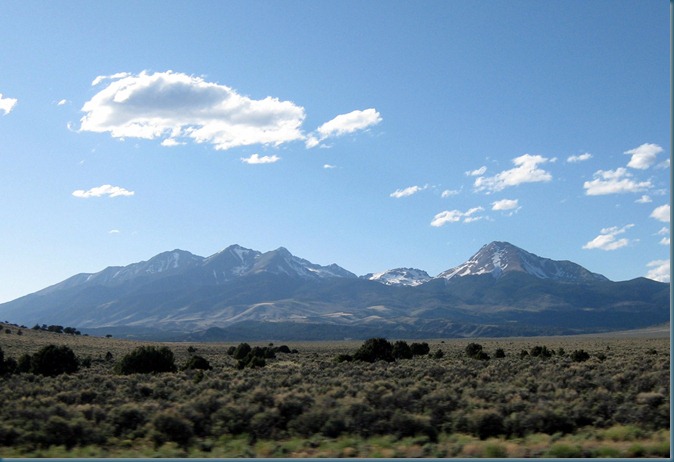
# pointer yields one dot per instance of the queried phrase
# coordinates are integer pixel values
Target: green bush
(401, 350)
(53, 360)
(472, 349)
(147, 359)
(580, 356)
(375, 349)
(541, 351)
(420, 349)
(197, 362)
(170, 426)
(499, 353)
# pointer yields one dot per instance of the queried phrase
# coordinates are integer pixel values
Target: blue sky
(373, 135)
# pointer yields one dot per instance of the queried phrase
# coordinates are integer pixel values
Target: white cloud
(114, 231)
(478, 172)
(62, 102)
(450, 192)
(343, 124)
(526, 171)
(579, 158)
(505, 204)
(664, 241)
(407, 191)
(256, 159)
(7, 104)
(101, 78)
(453, 216)
(329, 166)
(174, 106)
(645, 199)
(614, 182)
(661, 213)
(104, 190)
(660, 271)
(643, 156)
(663, 165)
(607, 239)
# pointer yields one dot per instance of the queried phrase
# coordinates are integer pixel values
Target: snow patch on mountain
(498, 258)
(400, 276)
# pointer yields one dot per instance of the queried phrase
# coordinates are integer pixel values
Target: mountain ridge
(501, 290)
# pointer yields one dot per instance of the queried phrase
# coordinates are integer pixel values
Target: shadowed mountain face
(241, 293)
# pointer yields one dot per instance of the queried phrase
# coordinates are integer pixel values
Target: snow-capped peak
(497, 258)
(400, 276)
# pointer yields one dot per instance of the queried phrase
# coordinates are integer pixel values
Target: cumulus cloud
(660, 271)
(104, 190)
(256, 159)
(454, 216)
(607, 239)
(643, 156)
(7, 104)
(407, 191)
(174, 107)
(579, 158)
(661, 213)
(645, 199)
(526, 170)
(614, 182)
(505, 204)
(344, 124)
(477, 172)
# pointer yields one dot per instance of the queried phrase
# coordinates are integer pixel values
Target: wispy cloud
(454, 216)
(104, 190)
(343, 124)
(409, 191)
(579, 158)
(449, 193)
(643, 156)
(607, 239)
(477, 172)
(175, 106)
(526, 170)
(645, 199)
(7, 104)
(614, 182)
(660, 271)
(329, 166)
(661, 213)
(256, 159)
(62, 102)
(505, 204)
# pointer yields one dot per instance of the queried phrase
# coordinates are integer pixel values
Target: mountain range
(244, 294)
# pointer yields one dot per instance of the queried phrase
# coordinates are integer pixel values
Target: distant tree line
(57, 329)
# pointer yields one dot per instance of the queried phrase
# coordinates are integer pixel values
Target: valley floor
(306, 404)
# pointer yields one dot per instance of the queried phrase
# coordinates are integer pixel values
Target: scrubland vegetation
(536, 397)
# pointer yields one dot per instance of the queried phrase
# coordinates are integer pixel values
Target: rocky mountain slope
(241, 293)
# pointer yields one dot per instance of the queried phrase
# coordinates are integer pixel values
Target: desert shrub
(499, 353)
(53, 360)
(171, 426)
(126, 419)
(439, 354)
(401, 350)
(580, 356)
(420, 349)
(375, 349)
(341, 358)
(486, 423)
(197, 362)
(241, 351)
(147, 359)
(524, 354)
(472, 349)
(541, 351)
(283, 349)
(231, 350)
